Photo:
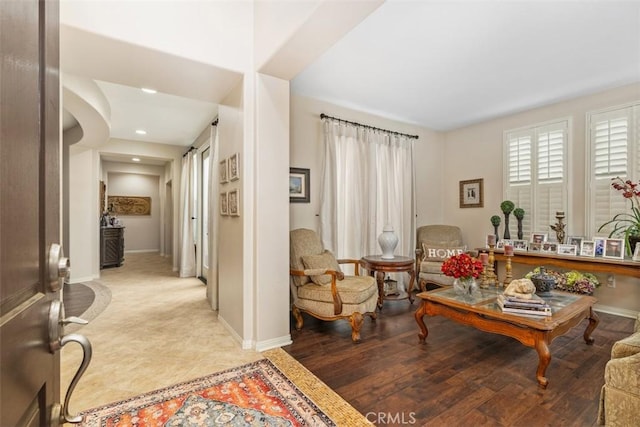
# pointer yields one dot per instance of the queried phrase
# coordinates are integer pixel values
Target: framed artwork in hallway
(234, 203)
(224, 204)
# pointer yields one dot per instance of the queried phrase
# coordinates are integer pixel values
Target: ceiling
(440, 65)
(446, 65)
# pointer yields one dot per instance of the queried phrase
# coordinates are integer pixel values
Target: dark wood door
(29, 208)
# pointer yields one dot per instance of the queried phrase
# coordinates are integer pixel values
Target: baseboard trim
(273, 343)
(246, 345)
(616, 311)
(141, 251)
(82, 279)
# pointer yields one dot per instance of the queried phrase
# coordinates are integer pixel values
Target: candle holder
(558, 227)
(490, 278)
(508, 277)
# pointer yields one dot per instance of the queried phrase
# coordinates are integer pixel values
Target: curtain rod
(189, 150)
(324, 116)
(215, 122)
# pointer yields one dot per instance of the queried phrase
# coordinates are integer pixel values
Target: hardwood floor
(77, 298)
(461, 376)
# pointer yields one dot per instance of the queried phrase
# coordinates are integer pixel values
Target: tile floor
(158, 330)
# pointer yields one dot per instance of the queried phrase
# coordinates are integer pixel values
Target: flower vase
(519, 229)
(465, 286)
(507, 235)
(388, 242)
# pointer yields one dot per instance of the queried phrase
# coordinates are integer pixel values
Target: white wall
(142, 232)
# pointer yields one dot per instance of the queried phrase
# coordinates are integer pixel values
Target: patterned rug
(255, 394)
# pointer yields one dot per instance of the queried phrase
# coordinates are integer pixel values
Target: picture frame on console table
(567, 250)
(575, 240)
(598, 243)
(520, 245)
(613, 248)
(539, 237)
(472, 193)
(588, 248)
(549, 247)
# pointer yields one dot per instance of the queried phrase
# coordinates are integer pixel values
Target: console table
(111, 246)
(573, 262)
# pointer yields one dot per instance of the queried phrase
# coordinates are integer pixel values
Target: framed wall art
(224, 172)
(129, 205)
(234, 167)
(234, 203)
(471, 193)
(224, 204)
(299, 185)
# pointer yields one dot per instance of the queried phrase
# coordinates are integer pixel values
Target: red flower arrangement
(462, 266)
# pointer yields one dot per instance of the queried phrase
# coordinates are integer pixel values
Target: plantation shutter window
(614, 151)
(536, 169)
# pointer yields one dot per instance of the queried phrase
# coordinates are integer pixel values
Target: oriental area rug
(274, 391)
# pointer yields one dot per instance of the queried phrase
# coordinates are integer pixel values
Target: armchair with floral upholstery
(320, 289)
(434, 244)
(620, 394)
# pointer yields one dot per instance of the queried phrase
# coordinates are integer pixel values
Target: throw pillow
(325, 260)
(439, 253)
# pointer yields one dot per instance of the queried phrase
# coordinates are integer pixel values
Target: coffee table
(378, 266)
(482, 312)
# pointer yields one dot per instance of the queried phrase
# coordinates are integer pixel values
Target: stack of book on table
(535, 306)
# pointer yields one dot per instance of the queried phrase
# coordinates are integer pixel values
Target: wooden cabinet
(111, 246)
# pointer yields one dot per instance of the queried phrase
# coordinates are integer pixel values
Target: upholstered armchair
(322, 290)
(434, 244)
(620, 394)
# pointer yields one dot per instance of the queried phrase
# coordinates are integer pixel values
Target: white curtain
(368, 182)
(214, 200)
(187, 246)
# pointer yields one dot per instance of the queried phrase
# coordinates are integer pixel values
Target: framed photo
(234, 167)
(224, 172)
(550, 247)
(575, 240)
(471, 193)
(564, 249)
(588, 248)
(613, 248)
(299, 185)
(224, 204)
(538, 237)
(535, 247)
(598, 246)
(234, 203)
(500, 244)
(519, 245)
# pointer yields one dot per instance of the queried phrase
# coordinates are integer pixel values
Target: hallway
(158, 330)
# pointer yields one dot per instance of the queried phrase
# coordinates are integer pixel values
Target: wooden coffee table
(482, 312)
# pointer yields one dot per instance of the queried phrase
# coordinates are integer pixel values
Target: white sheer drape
(214, 200)
(368, 182)
(187, 246)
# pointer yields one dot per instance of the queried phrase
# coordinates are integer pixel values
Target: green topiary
(507, 206)
(495, 220)
(518, 213)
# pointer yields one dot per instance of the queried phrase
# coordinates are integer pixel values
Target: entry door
(29, 209)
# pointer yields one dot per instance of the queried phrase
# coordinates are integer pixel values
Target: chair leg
(423, 285)
(298, 316)
(356, 321)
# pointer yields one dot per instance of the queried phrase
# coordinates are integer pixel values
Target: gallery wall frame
(234, 167)
(234, 203)
(472, 193)
(299, 189)
(224, 172)
(224, 204)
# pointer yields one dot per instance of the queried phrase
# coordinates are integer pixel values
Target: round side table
(377, 266)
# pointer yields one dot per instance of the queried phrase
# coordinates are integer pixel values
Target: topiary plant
(518, 213)
(495, 220)
(507, 206)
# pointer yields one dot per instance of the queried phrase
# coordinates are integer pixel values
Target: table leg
(544, 358)
(412, 275)
(593, 322)
(420, 313)
(380, 279)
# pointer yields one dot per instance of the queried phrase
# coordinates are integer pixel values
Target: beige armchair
(620, 394)
(434, 244)
(320, 289)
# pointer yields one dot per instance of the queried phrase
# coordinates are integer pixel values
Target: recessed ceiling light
(135, 159)
(141, 132)
(147, 90)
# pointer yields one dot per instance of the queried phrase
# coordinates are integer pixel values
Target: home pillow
(325, 260)
(440, 253)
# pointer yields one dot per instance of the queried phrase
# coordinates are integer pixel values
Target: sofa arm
(626, 347)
